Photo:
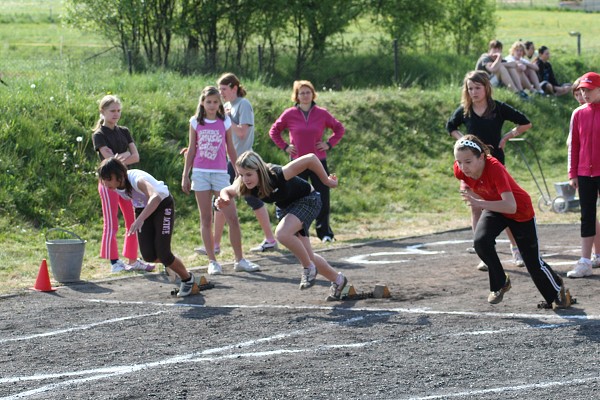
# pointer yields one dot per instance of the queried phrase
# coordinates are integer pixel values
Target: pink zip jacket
(305, 133)
(585, 141)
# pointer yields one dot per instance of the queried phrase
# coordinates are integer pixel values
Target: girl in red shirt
(505, 205)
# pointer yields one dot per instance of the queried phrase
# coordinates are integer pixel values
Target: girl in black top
(300, 205)
(483, 117)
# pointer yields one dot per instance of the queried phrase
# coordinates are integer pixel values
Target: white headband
(470, 143)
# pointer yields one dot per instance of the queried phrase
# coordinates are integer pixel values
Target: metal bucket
(66, 256)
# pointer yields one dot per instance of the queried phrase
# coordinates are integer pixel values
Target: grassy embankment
(394, 164)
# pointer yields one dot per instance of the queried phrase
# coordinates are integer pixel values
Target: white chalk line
(399, 310)
(78, 328)
(195, 357)
(578, 381)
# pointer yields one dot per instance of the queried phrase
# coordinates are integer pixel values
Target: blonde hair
(515, 46)
(104, 103)
(298, 85)
(252, 161)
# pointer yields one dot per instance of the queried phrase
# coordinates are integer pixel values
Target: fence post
(396, 64)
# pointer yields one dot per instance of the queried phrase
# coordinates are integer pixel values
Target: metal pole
(579, 44)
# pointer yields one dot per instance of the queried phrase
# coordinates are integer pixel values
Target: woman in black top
(483, 117)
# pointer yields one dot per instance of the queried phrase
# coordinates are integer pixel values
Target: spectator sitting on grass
(498, 70)
(546, 75)
(526, 70)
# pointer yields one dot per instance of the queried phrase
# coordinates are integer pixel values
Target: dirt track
(256, 336)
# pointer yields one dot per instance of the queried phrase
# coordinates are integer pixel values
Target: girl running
(505, 205)
(299, 203)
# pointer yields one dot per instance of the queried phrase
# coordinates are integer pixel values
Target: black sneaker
(335, 291)
(496, 297)
(523, 95)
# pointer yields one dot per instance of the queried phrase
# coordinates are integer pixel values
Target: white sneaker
(517, 259)
(327, 239)
(119, 266)
(185, 288)
(481, 266)
(140, 265)
(245, 266)
(265, 246)
(202, 250)
(214, 268)
(581, 270)
(595, 261)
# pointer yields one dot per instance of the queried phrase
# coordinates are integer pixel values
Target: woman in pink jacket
(306, 123)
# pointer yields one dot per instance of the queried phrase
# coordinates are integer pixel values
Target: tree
(470, 24)
(405, 19)
(131, 25)
(315, 21)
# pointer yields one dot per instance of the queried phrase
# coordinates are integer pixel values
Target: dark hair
(110, 167)
(495, 44)
(231, 80)
(473, 144)
(542, 49)
(528, 44)
(201, 112)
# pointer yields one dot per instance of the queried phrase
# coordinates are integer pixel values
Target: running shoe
(140, 265)
(265, 246)
(245, 266)
(214, 268)
(309, 277)
(185, 288)
(581, 269)
(496, 297)
(335, 291)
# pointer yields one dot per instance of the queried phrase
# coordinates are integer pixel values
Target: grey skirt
(305, 209)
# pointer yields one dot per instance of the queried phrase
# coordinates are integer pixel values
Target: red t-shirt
(494, 181)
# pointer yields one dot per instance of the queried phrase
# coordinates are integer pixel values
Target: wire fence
(581, 5)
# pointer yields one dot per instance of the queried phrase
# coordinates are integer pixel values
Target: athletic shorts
(305, 209)
(215, 181)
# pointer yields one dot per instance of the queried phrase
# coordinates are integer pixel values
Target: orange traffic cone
(42, 283)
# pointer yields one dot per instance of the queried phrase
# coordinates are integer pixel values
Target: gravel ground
(257, 336)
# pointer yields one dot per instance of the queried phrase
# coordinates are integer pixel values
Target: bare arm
(456, 134)
(310, 162)
(189, 160)
(240, 131)
(513, 133)
(153, 201)
(508, 204)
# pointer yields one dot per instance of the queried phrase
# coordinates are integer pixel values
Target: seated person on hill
(546, 76)
(500, 73)
(529, 50)
(526, 70)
